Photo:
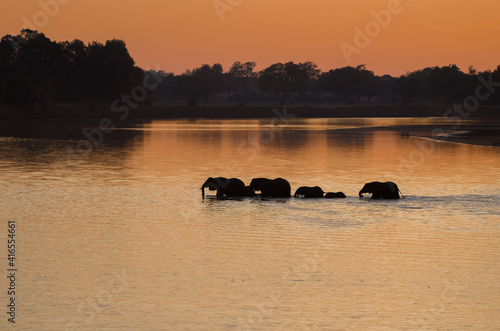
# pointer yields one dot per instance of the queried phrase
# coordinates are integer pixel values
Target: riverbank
(235, 112)
(480, 136)
(484, 132)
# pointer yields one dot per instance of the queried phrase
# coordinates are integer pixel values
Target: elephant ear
(211, 184)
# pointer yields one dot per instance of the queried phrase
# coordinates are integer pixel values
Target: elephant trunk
(211, 186)
(361, 193)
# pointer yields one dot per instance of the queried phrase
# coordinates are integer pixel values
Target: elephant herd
(280, 188)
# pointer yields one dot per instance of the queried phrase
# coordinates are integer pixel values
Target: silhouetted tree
(6, 51)
(349, 82)
(32, 67)
(311, 68)
(168, 88)
(446, 84)
(201, 82)
(112, 70)
(242, 74)
(3, 89)
(286, 78)
(38, 71)
(79, 78)
(368, 84)
(408, 86)
(495, 76)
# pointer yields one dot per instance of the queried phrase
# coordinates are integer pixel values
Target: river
(112, 232)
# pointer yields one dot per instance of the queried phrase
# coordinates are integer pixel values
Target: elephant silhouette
(378, 190)
(280, 188)
(335, 195)
(271, 188)
(309, 192)
(229, 187)
(249, 192)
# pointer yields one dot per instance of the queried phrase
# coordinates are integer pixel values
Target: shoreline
(80, 111)
(486, 132)
(475, 137)
(478, 135)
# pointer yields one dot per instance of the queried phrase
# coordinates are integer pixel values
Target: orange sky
(175, 35)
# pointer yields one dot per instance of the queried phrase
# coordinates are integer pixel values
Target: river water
(112, 232)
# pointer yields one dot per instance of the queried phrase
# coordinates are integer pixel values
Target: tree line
(306, 84)
(35, 71)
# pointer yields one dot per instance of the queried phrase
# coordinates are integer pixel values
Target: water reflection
(62, 146)
(134, 205)
(324, 152)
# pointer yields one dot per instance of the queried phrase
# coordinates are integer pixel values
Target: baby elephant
(335, 195)
(309, 192)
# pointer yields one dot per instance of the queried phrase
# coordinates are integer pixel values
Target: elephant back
(277, 188)
(309, 192)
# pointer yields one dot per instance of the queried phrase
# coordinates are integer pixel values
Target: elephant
(249, 192)
(232, 187)
(335, 195)
(309, 192)
(387, 190)
(274, 188)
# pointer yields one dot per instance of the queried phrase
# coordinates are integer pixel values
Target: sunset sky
(175, 35)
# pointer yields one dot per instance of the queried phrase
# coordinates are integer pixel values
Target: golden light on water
(131, 213)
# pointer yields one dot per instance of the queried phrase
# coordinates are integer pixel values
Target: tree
(7, 50)
(79, 77)
(168, 88)
(408, 86)
(495, 77)
(350, 81)
(3, 89)
(311, 68)
(447, 84)
(112, 70)
(242, 74)
(201, 82)
(37, 71)
(286, 78)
